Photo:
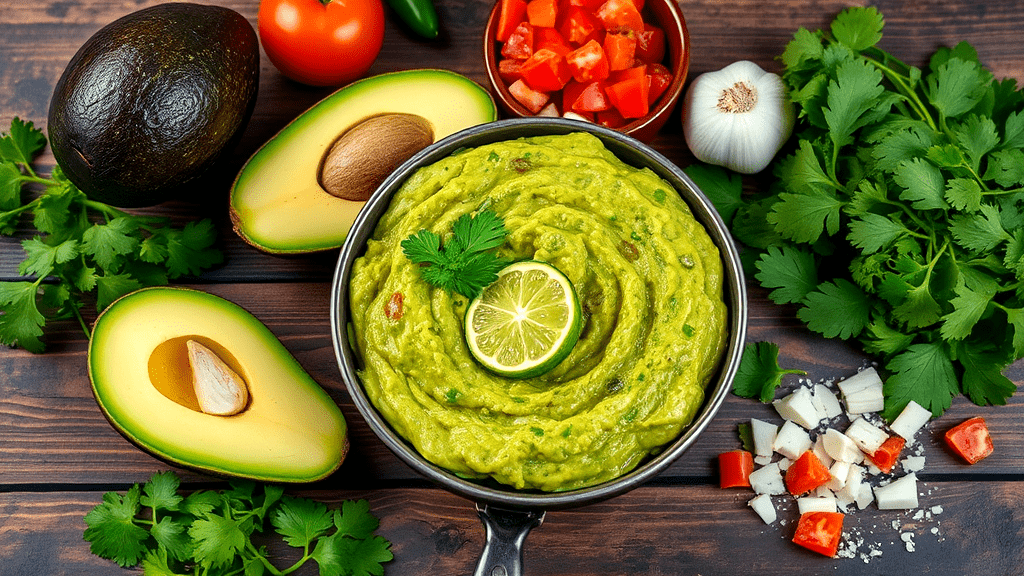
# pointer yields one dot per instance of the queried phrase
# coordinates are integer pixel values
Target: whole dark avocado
(153, 100)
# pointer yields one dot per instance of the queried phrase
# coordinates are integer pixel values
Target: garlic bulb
(737, 117)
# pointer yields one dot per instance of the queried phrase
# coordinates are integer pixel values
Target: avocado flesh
(277, 202)
(290, 431)
(153, 100)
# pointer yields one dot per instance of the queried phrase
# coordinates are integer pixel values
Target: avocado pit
(199, 374)
(365, 154)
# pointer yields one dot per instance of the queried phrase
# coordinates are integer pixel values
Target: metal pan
(509, 514)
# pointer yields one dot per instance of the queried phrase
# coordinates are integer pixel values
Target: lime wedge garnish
(525, 322)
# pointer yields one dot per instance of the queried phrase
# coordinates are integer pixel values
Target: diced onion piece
(840, 471)
(866, 435)
(768, 480)
(792, 440)
(910, 420)
(830, 407)
(550, 111)
(899, 494)
(820, 452)
(574, 116)
(863, 392)
(854, 480)
(840, 447)
(798, 407)
(816, 504)
(865, 496)
(762, 504)
(764, 436)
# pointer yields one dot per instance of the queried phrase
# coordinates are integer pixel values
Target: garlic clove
(738, 117)
(219, 389)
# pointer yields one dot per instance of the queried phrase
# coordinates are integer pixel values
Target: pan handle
(506, 531)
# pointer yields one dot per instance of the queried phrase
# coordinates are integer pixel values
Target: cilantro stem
(899, 80)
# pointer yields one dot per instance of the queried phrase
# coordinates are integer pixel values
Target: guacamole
(650, 281)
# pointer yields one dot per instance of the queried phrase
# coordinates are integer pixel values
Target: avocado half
(290, 430)
(153, 100)
(277, 202)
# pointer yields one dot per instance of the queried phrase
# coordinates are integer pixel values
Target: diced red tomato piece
(734, 468)
(580, 26)
(571, 93)
(806, 474)
(638, 4)
(629, 97)
(820, 532)
(627, 73)
(888, 453)
(611, 118)
(588, 62)
(532, 100)
(660, 79)
(620, 48)
(510, 15)
(520, 43)
(546, 71)
(551, 39)
(592, 99)
(620, 14)
(510, 70)
(970, 440)
(650, 44)
(590, 5)
(542, 13)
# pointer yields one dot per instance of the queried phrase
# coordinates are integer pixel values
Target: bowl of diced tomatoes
(619, 63)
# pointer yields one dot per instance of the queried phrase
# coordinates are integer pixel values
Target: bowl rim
(505, 496)
(654, 119)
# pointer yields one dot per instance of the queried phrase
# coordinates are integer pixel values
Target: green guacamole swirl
(650, 281)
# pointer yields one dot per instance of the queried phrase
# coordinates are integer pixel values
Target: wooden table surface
(58, 454)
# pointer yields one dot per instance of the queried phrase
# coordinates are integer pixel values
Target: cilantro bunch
(210, 532)
(897, 220)
(82, 246)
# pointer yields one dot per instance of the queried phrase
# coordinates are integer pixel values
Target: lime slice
(525, 322)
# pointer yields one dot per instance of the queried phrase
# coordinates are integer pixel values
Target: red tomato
(318, 44)
(806, 474)
(542, 13)
(551, 39)
(620, 49)
(512, 13)
(888, 453)
(520, 42)
(734, 468)
(650, 44)
(588, 62)
(534, 100)
(661, 78)
(580, 26)
(620, 14)
(970, 439)
(629, 97)
(820, 532)
(510, 70)
(546, 71)
(585, 98)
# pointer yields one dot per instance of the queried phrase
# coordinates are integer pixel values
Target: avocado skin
(153, 100)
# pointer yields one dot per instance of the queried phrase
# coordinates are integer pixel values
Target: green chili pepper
(420, 15)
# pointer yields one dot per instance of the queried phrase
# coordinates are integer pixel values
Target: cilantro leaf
(858, 28)
(161, 491)
(112, 530)
(217, 539)
(355, 519)
(21, 323)
(805, 217)
(872, 232)
(923, 373)
(836, 309)
(759, 373)
(106, 242)
(979, 232)
(464, 263)
(789, 271)
(923, 184)
(855, 90)
(340, 556)
(722, 187)
(968, 307)
(22, 143)
(956, 87)
(301, 521)
(983, 380)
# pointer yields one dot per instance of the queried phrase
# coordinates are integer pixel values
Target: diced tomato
(546, 71)
(588, 62)
(551, 39)
(520, 42)
(611, 118)
(542, 13)
(820, 532)
(511, 14)
(806, 474)
(627, 73)
(510, 70)
(620, 48)
(650, 44)
(629, 97)
(734, 468)
(638, 4)
(888, 453)
(660, 79)
(394, 309)
(620, 14)
(970, 440)
(580, 26)
(571, 93)
(589, 5)
(531, 99)
(591, 99)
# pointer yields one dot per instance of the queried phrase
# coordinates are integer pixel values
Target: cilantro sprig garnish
(465, 262)
(210, 532)
(898, 217)
(759, 373)
(81, 247)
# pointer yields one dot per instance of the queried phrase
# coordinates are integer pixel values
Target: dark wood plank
(651, 530)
